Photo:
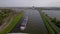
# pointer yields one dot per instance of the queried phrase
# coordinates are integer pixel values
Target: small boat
(24, 23)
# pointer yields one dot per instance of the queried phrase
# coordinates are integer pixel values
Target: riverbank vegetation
(51, 26)
(4, 13)
(46, 22)
(16, 17)
(54, 20)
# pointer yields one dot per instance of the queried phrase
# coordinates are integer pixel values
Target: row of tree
(55, 21)
(3, 14)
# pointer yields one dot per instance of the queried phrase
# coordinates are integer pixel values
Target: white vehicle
(24, 23)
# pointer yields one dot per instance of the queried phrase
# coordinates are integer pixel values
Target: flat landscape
(35, 20)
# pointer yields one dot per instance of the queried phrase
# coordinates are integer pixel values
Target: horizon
(29, 3)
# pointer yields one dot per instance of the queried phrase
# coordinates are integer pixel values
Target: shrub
(3, 14)
(55, 21)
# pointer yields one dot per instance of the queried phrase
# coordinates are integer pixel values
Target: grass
(48, 26)
(52, 28)
(14, 22)
(52, 25)
(55, 21)
(56, 29)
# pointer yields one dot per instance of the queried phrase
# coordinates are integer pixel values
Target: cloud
(15, 3)
(29, 3)
(47, 3)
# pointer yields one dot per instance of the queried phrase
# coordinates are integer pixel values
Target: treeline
(3, 14)
(55, 21)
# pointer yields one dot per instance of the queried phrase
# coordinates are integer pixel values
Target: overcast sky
(29, 3)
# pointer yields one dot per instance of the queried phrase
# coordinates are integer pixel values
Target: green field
(14, 22)
(51, 31)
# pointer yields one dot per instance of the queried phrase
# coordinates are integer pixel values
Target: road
(35, 23)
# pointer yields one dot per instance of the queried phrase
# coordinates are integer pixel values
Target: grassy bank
(46, 22)
(14, 22)
(54, 27)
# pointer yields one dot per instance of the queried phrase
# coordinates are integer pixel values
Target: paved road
(35, 23)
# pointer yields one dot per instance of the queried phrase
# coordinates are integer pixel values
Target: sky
(29, 3)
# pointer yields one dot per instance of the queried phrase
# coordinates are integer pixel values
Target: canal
(35, 23)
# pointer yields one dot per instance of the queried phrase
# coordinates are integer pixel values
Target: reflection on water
(53, 13)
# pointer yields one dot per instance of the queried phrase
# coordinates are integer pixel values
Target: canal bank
(35, 23)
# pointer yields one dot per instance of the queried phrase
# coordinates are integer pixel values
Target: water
(53, 13)
(35, 23)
